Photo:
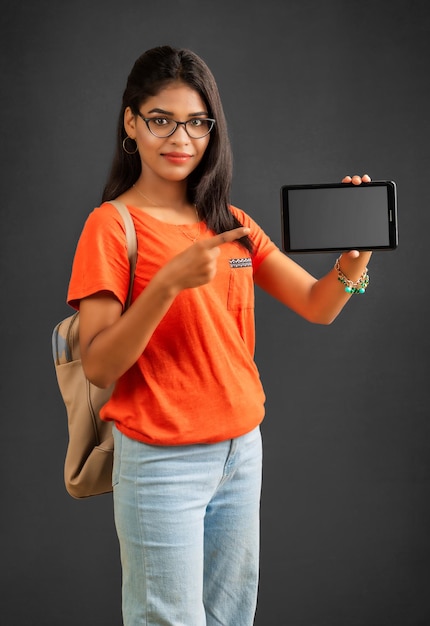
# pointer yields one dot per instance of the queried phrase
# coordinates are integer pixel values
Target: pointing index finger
(227, 237)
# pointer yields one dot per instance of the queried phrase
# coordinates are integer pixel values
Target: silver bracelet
(359, 286)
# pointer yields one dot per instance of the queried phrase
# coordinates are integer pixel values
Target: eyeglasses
(162, 127)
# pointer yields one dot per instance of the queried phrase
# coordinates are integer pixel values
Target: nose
(174, 135)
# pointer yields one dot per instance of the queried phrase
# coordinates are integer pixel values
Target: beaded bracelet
(359, 286)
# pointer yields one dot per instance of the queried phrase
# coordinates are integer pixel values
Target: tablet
(339, 217)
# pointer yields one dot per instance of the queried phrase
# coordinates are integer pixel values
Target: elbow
(321, 322)
(326, 322)
(99, 379)
(322, 318)
(101, 383)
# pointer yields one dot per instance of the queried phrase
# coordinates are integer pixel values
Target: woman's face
(170, 158)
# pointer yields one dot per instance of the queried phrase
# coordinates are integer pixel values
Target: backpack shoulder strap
(130, 233)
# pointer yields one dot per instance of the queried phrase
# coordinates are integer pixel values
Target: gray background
(313, 90)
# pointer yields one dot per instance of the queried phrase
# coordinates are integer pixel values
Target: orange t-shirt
(196, 381)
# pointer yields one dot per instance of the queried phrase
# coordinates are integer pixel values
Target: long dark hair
(210, 183)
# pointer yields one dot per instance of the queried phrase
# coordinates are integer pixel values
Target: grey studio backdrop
(313, 90)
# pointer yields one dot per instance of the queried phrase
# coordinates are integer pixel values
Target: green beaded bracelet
(359, 286)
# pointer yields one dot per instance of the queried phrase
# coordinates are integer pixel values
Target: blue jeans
(187, 519)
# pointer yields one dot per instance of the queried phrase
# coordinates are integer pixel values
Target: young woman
(188, 400)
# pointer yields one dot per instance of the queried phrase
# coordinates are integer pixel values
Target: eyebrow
(197, 114)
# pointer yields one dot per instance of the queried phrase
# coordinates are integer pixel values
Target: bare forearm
(318, 301)
(328, 295)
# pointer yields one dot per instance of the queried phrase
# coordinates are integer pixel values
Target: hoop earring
(124, 147)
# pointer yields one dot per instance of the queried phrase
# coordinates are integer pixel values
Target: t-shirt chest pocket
(241, 285)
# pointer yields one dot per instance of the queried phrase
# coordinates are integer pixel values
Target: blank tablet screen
(339, 217)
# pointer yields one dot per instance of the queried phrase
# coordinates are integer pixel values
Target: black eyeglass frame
(184, 124)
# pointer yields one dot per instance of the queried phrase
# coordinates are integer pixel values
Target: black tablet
(339, 216)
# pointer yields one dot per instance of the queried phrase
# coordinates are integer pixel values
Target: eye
(160, 121)
(196, 122)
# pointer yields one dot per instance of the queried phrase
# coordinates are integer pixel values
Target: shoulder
(105, 214)
(243, 217)
(246, 220)
(103, 232)
(263, 245)
(104, 221)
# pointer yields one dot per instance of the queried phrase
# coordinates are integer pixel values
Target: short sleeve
(263, 245)
(100, 262)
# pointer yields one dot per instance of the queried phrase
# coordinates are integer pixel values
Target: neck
(173, 195)
(165, 203)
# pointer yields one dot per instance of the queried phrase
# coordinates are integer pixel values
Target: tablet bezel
(391, 216)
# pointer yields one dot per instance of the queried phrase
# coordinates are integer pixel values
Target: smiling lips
(177, 157)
